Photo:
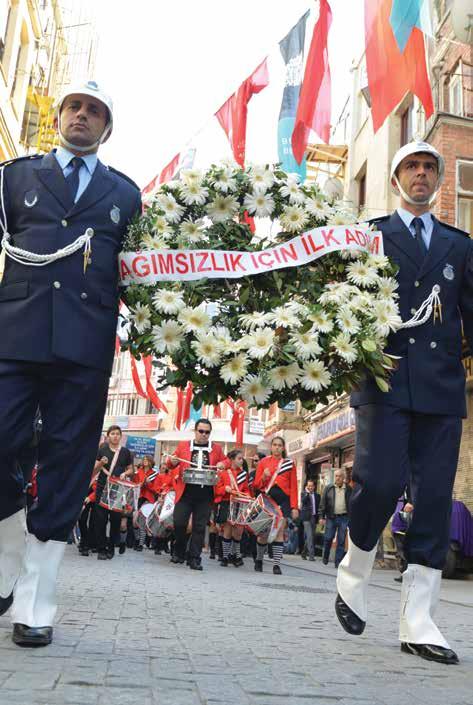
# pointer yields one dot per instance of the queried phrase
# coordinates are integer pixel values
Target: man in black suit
(310, 502)
(411, 435)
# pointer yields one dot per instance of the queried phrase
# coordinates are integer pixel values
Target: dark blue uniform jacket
(430, 378)
(58, 311)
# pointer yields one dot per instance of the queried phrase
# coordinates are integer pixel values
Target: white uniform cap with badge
(416, 147)
(92, 89)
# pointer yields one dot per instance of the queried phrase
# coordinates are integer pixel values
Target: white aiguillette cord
(424, 312)
(31, 258)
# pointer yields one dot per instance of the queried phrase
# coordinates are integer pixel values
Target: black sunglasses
(207, 433)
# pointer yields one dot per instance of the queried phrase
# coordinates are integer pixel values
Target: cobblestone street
(140, 631)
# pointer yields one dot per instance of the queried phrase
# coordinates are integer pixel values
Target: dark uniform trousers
(58, 326)
(412, 433)
(102, 517)
(196, 501)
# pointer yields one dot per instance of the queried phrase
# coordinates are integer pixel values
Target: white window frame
(459, 192)
(456, 82)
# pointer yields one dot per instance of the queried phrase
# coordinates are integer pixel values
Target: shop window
(407, 125)
(465, 195)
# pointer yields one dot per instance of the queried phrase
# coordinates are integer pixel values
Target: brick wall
(463, 489)
(453, 141)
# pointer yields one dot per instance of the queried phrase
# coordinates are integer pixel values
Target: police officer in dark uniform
(411, 435)
(63, 217)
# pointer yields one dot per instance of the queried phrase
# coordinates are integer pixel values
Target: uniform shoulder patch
(124, 176)
(453, 228)
(15, 160)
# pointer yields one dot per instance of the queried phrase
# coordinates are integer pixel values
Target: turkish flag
(234, 112)
(392, 73)
(136, 378)
(150, 390)
(314, 109)
(186, 409)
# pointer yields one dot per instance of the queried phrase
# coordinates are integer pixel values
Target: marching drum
(164, 521)
(142, 515)
(237, 509)
(199, 476)
(263, 516)
(120, 495)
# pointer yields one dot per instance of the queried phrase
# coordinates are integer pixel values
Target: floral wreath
(305, 333)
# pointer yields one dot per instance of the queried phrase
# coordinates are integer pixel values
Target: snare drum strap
(114, 460)
(283, 466)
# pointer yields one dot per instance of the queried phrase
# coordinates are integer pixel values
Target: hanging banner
(292, 50)
(151, 266)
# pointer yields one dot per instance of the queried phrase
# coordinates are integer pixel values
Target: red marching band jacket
(286, 481)
(183, 451)
(139, 479)
(151, 490)
(241, 480)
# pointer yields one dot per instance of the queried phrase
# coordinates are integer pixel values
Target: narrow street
(140, 631)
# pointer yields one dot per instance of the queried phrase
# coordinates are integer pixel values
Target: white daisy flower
(191, 176)
(193, 193)
(161, 226)
(193, 230)
(362, 302)
(261, 177)
(235, 369)
(194, 320)
(284, 376)
(261, 342)
(254, 320)
(348, 254)
(342, 217)
(254, 391)
(168, 301)
(222, 208)
(315, 376)
(318, 207)
(387, 288)
(172, 210)
(224, 339)
(336, 293)
(377, 261)
(207, 350)
(322, 321)
(292, 190)
(361, 273)
(150, 242)
(260, 204)
(299, 309)
(306, 344)
(141, 317)
(168, 336)
(347, 321)
(294, 218)
(344, 347)
(285, 317)
(225, 181)
(386, 317)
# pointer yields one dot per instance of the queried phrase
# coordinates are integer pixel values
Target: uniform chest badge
(115, 215)
(31, 199)
(448, 272)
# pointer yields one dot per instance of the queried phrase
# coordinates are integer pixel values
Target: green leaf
(382, 384)
(369, 345)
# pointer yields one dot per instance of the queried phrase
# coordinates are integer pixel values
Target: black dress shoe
(277, 570)
(259, 566)
(348, 619)
(32, 636)
(325, 561)
(6, 603)
(102, 556)
(430, 652)
(83, 551)
(398, 580)
(212, 556)
(194, 564)
(122, 549)
(224, 562)
(238, 562)
(177, 560)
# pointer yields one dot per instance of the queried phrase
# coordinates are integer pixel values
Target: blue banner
(292, 50)
(407, 14)
(141, 446)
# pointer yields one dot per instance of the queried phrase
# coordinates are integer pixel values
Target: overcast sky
(169, 66)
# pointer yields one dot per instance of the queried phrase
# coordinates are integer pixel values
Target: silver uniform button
(413, 311)
(83, 295)
(412, 341)
(90, 232)
(57, 285)
(433, 344)
(416, 284)
(64, 223)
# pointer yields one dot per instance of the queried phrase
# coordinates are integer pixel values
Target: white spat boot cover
(353, 577)
(34, 602)
(12, 550)
(419, 598)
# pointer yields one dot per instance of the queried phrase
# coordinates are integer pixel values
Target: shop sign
(256, 426)
(146, 422)
(141, 446)
(336, 425)
(301, 443)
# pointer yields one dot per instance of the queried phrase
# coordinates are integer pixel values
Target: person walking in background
(310, 502)
(334, 515)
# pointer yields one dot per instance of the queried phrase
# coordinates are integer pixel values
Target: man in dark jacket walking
(334, 514)
(310, 502)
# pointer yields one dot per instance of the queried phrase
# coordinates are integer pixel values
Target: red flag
(391, 74)
(237, 423)
(136, 378)
(217, 411)
(314, 109)
(117, 345)
(186, 410)
(151, 391)
(166, 175)
(234, 112)
(180, 401)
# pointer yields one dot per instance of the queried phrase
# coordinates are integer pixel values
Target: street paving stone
(139, 631)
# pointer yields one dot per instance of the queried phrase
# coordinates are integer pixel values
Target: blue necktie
(418, 224)
(72, 178)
